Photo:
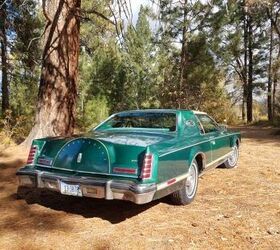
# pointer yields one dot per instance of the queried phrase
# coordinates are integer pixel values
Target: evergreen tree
(20, 53)
(57, 96)
(139, 56)
(4, 23)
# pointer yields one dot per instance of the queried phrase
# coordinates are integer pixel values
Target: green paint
(98, 152)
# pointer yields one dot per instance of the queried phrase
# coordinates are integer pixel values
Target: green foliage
(142, 67)
(126, 75)
(23, 27)
(26, 26)
(94, 111)
(143, 70)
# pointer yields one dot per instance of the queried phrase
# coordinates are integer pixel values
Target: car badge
(79, 158)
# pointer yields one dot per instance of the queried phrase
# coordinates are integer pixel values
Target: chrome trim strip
(199, 112)
(218, 159)
(80, 171)
(100, 124)
(163, 185)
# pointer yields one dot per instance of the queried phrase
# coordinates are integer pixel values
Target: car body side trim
(179, 178)
(165, 184)
(224, 157)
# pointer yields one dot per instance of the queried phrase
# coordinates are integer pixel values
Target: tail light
(32, 154)
(124, 170)
(147, 167)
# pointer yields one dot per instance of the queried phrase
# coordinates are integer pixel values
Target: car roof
(161, 111)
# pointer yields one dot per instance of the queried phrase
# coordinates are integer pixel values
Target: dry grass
(234, 209)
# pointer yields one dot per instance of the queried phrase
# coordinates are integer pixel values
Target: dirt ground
(234, 209)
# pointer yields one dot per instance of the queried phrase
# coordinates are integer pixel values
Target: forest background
(218, 56)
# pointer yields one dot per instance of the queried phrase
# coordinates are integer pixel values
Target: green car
(138, 156)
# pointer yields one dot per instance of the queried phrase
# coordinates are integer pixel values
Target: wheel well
(200, 162)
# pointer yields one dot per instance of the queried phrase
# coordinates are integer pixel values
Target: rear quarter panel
(175, 161)
(175, 156)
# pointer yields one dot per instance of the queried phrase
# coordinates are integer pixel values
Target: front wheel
(186, 195)
(231, 161)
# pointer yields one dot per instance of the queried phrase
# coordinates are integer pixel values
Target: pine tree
(4, 61)
(140, 64)
(57, 96)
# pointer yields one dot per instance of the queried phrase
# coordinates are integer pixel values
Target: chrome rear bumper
(88, 186)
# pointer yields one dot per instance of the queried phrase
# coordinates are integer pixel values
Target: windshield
(166, 121)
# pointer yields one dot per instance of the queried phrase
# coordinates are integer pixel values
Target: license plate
(70, 189)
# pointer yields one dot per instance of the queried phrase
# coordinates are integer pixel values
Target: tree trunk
(245, 74)
(57, 96)
(3, 37)
(183, 62)
(269, 83)
(250, 73)
(275, 80)
(274, 87)
(276, 28)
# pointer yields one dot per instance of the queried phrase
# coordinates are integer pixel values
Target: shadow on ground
(264, 135)
(113, 211)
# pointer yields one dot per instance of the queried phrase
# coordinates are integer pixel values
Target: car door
(220, 143)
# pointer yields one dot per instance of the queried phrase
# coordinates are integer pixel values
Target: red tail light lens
(147, 167)
(31, 156)
(124, 170)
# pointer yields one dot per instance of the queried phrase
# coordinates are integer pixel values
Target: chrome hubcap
(191, 181)
(233, 156)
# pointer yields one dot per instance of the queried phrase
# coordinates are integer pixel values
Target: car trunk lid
(119, 154)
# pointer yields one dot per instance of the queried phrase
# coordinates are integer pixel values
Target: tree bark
(274, 87)
(4, 63)
(57, 96)
(269, 83)
(276, 29)
(250, 72)
(275, 80)
(245, 74)
(183, 62)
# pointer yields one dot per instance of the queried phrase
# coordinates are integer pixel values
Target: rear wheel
(231, 161)
(187, 193)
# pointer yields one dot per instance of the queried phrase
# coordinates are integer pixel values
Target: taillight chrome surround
(32, 154)
(147, 167)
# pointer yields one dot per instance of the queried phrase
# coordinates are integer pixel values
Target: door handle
(212, 140)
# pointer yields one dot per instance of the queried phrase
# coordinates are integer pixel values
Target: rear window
(166, 121)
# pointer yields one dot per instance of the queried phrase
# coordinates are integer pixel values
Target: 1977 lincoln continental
(138, 156)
